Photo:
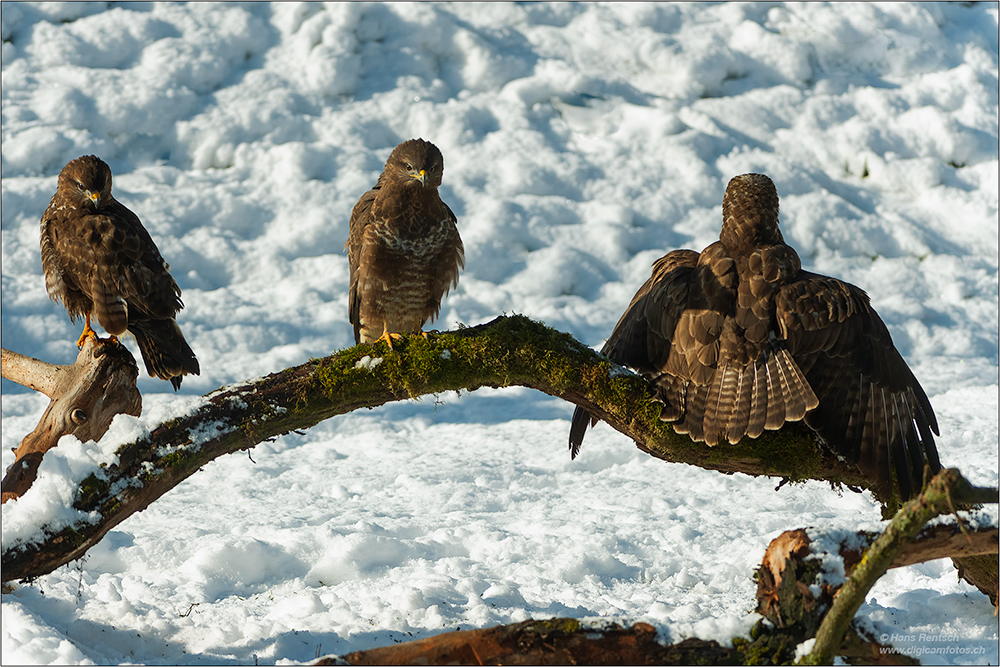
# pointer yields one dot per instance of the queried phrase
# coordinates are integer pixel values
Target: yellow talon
(88, 332)
(387, 337)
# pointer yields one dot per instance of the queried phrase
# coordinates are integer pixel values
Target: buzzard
(99, 260)
(404, 250)
(738, 339)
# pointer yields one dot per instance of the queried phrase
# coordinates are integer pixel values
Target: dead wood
(982, 572)
(508, 351)
(85, 397)
(784, 598)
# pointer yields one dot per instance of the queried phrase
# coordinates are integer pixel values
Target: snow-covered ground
(581, 142)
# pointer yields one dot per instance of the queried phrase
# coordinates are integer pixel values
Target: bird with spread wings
(100, 261)
(738, 339)
(404, 250)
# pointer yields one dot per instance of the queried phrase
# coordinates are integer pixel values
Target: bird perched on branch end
(404, 249)
(100, 261)
(738, 339)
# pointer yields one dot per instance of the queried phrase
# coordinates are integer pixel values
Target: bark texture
(517, 351)
(564, 641)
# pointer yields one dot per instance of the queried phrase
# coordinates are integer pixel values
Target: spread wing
(728, 375)
(872, 411)
(643, 335)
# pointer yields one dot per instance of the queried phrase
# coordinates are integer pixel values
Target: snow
(581, 142)
(368, 363)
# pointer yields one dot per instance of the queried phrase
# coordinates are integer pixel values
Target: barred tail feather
(799, 396)
(758, 402)
(739, 422)
(746, 400)
(165, 352)
(775, 404)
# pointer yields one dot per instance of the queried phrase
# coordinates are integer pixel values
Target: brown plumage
(99, 260)
(738, 339)
(404, 250)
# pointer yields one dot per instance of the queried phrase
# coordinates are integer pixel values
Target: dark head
(86, 182)
(750, 212)
(416, 161)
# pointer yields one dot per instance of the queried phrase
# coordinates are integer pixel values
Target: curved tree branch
(505, 352)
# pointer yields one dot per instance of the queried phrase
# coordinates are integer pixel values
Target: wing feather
(360, 221)
(872, 410)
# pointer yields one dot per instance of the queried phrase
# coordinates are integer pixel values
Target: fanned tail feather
(742, 405)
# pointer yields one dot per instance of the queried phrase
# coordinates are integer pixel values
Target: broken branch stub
(85, 397)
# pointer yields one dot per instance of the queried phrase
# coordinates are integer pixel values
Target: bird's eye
(409, 167)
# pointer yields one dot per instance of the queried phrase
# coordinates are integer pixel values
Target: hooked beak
(422, 177)
(94, 197)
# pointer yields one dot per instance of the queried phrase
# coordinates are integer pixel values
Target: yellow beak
(422, 177)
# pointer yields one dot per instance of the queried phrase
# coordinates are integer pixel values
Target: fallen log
(567, 641)
(558, 641)
(784, 598)
(85, 397)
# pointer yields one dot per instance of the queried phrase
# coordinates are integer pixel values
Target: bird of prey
(404, 250)
(738, 339)
(100, 261)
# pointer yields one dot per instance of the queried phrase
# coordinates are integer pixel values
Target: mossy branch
(505, 352)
